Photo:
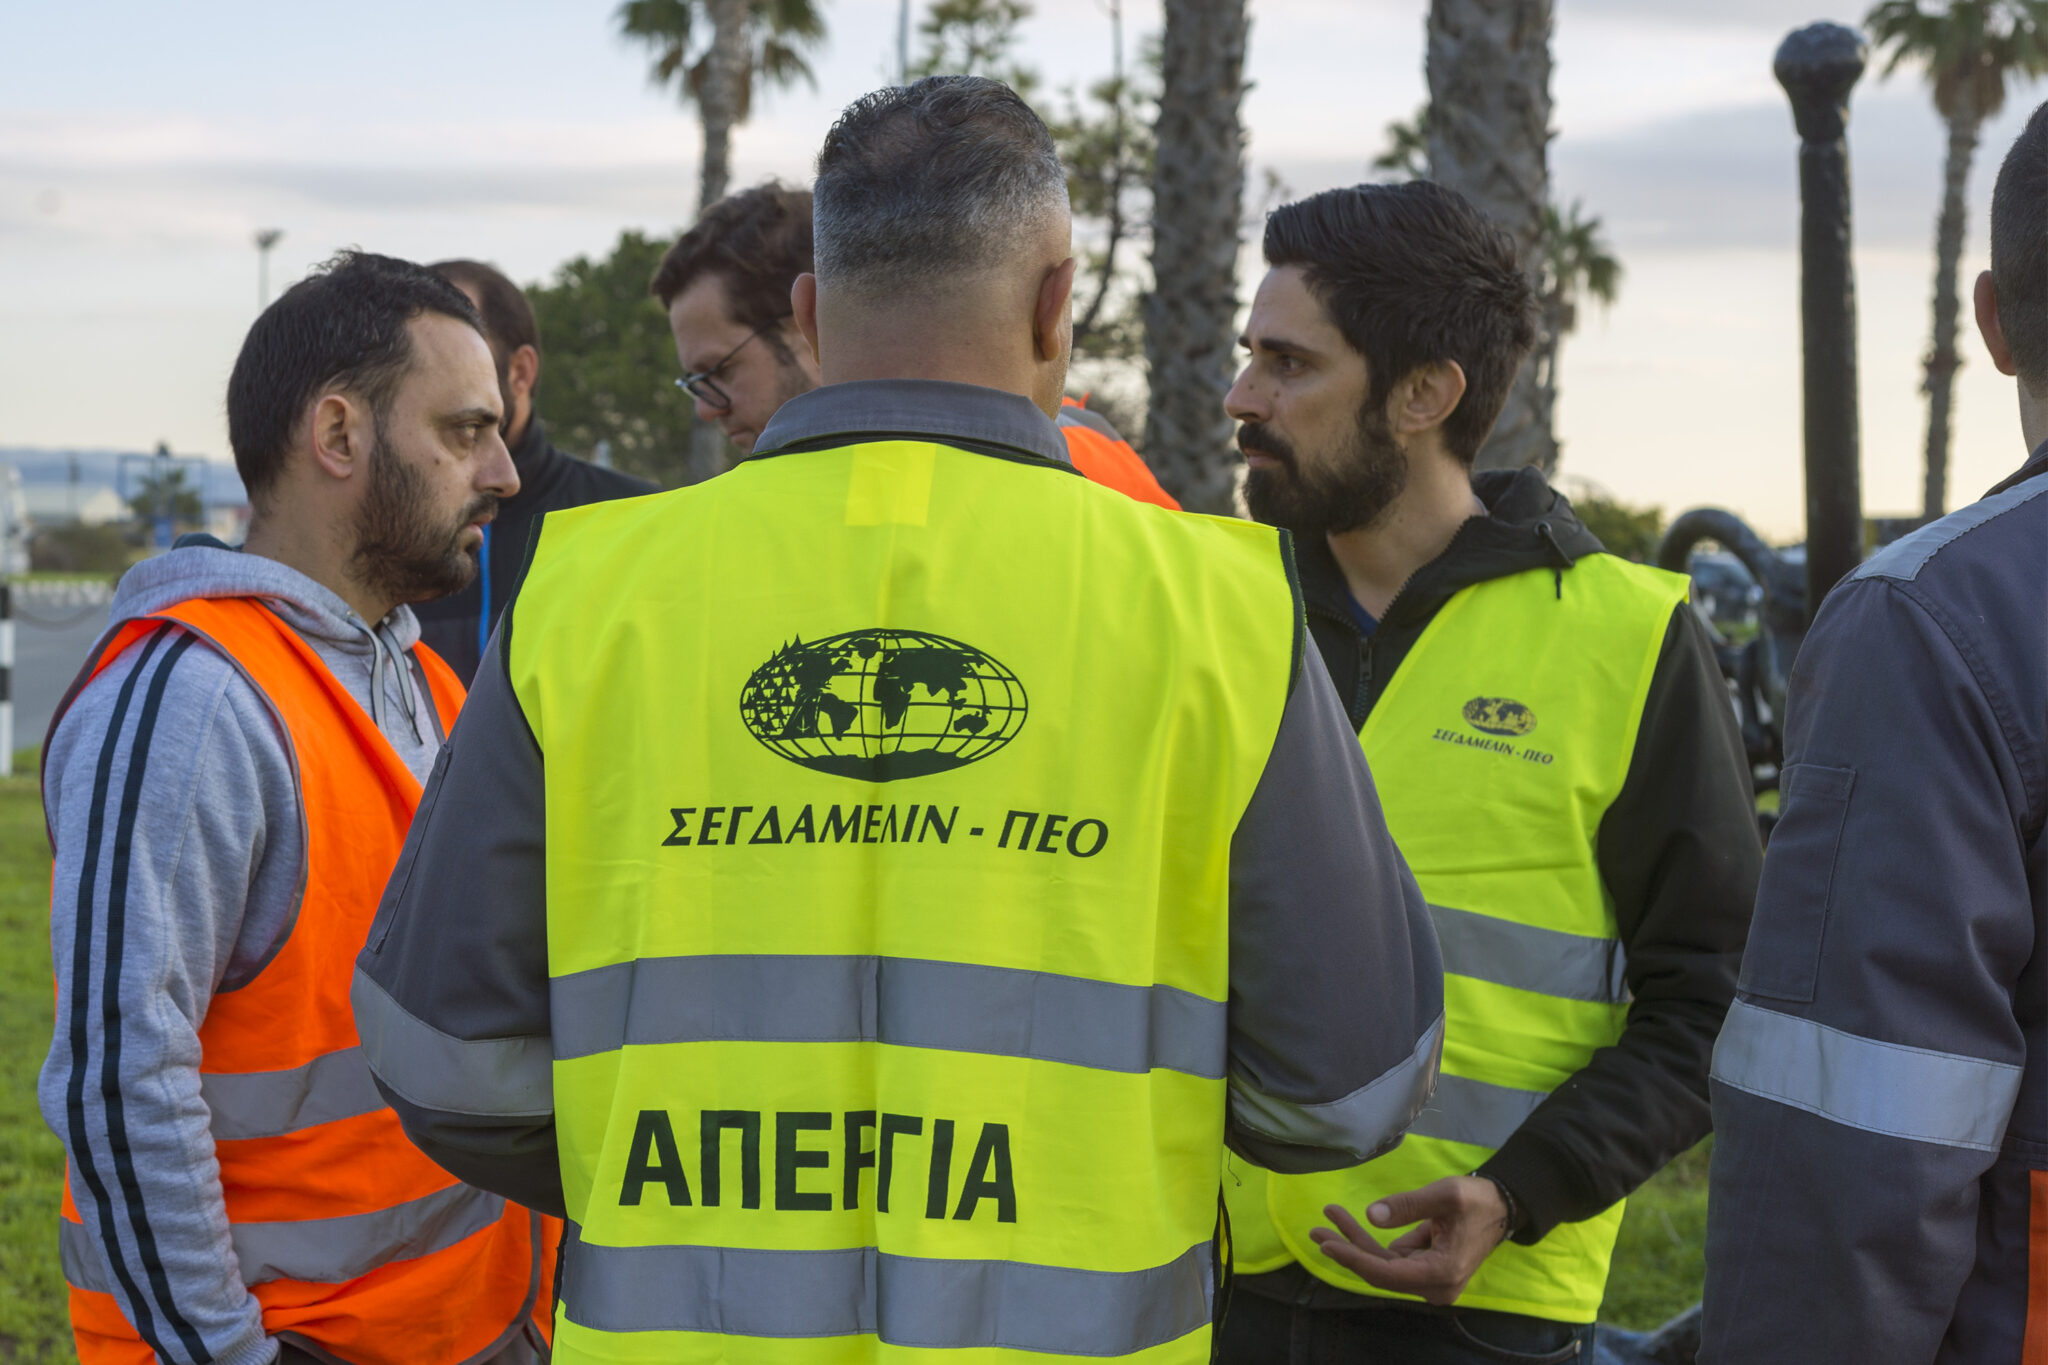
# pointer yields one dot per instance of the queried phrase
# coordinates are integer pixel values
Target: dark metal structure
(1818, 65)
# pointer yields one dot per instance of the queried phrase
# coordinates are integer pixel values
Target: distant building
(61, 504)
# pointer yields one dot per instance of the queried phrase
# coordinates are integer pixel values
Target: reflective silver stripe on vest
(904, 1300)
(322, 1250)
(1547, 961)
(1364, 1123)
(261, 1104)
(1465, 1110)
(492, 1077)
(1858, 1082)
(83, 1268)
(330, 1250)
(905, 1001)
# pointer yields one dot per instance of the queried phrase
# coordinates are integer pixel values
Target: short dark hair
(2019, 251)
(1413, 275)
(508, 317)
(930, 180)
(757, 241)
(344, 326)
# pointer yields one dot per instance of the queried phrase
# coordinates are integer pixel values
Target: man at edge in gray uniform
(1880, 1177)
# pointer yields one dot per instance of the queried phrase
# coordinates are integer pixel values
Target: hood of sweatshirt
(372, 661)
(1528, 525)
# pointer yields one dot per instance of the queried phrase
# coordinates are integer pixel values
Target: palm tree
(1406, 154)
(748, 41)
(1489, 136)
(1970, 49)
(1197, 214)
(1577, 263)
(975, 38)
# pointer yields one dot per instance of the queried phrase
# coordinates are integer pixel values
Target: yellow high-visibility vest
(890, 791)
(1497, 747)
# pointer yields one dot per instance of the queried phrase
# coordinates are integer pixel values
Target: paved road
(50, 642)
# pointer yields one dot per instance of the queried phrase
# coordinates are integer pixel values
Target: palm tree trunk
(1489, 136)
(1942, 358)
(718, 107)
(718, 96)
(1197, 208)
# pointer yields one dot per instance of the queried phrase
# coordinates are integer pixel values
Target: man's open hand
(1462, 1219)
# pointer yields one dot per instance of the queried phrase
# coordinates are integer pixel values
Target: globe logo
(883, 704)
(1499, 716)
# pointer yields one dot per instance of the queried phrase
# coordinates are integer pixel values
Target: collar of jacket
(888, 408)
(1528, 525)
(533, 456)
(2034, 468)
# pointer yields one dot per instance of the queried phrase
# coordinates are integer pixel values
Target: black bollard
(1818, 65)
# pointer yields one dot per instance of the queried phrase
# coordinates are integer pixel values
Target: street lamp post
(1818, 65)
(266, 238)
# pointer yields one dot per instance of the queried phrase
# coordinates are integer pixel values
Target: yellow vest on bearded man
(1497, 747)
(887, 884)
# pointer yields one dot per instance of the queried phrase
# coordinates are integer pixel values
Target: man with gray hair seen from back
(1879, 1191)
(884, 929)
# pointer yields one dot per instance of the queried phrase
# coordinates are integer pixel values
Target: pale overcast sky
(142, 143)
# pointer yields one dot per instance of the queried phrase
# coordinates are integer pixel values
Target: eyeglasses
(703, 385)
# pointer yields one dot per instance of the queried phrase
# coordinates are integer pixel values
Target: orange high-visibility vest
(1110, 460)
(349, 1237)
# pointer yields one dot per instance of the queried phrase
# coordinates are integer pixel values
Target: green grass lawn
(33, 1329)
(1657, 1266)
(1660, 1258)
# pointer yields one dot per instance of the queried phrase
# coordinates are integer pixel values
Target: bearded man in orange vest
(227, 787)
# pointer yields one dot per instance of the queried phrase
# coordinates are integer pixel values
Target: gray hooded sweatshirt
(171, 778)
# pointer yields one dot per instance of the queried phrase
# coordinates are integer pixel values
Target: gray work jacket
(1881, 1084)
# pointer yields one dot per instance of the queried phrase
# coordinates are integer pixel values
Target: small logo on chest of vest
(1504, 720)
(883, 704)
(1499, 716)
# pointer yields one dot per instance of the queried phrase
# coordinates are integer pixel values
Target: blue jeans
(1263, 1331)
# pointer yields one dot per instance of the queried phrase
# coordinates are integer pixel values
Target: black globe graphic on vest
(883, 704)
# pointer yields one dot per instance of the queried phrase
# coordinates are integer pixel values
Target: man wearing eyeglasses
(456, 627)
(725, 286)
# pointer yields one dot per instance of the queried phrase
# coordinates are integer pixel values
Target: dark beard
(402, 551)
(1353, 492)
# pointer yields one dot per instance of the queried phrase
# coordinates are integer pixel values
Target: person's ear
(340, 436)
(803, 305)
(1990, 327)
(1051, 332)
(522, 372)
(1425, 399)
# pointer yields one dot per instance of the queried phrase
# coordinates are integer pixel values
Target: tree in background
(1104, 139)
(1970, 49)
(975, 38)
(166, 494)
(1489, 136)
(1106, 144)
(610, 363)
(1631, 532)
(1197, 217)
(1577, 264)
(1406, 156)
(714, 52)
(749, 41)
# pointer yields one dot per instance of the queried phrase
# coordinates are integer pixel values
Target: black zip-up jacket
(1678, 851)
(548, 479)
